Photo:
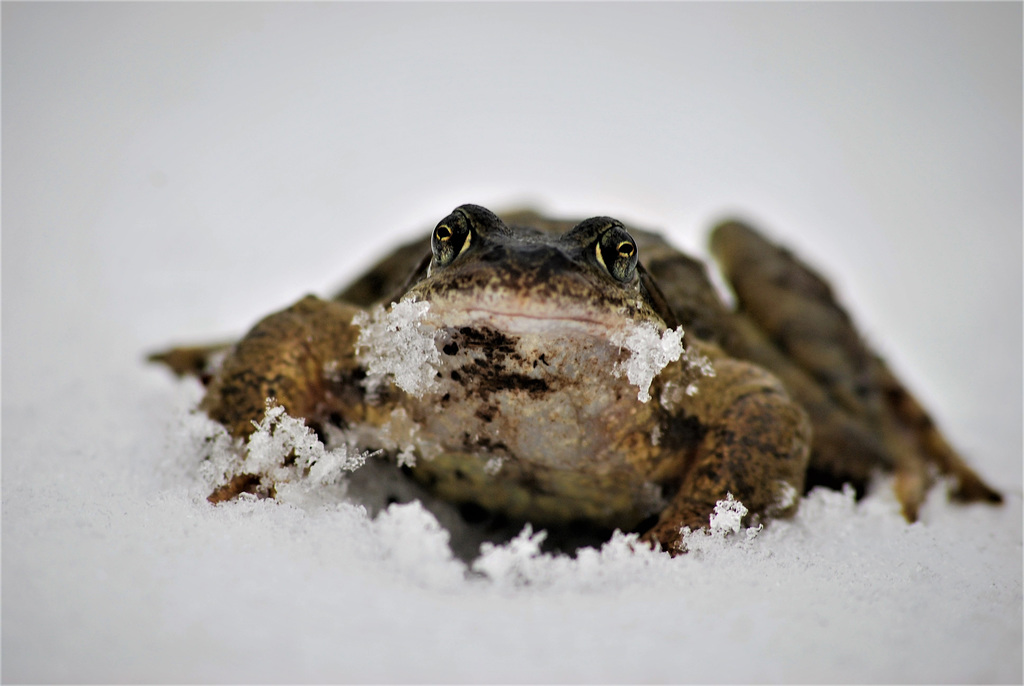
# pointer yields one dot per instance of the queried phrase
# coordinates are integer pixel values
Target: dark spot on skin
(490, 374)
(473, 513)
(348, 388)
(460, 475)
(521, 382)
(451, 348)
(489, 340)
(680, 433)
(486, 413)
(491, 446)
(491, 378)
(446, 397)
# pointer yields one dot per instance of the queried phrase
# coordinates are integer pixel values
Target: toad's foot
(755, 447)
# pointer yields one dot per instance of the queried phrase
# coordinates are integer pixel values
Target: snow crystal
(621, 561)
(211, 440)
(651, 353)
(786, 497)
(406, 458)
(725, 521)
(279, 435)
(400, 435)
(510, 563)
(283, 450)
(417, 546)
(702, 364)
(728, 515)
(396, 345)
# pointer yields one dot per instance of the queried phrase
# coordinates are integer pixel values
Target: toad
(559, 371)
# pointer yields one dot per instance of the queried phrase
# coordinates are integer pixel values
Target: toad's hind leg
(755, 446)
(797, 312)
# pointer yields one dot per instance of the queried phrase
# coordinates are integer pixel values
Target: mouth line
(543, 323)
(536, 317)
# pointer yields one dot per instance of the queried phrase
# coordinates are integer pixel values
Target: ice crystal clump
(651, 353)
(416, 546)
(512, 562)
(621, 561)
(725, 521)
(396, 345)
(279, 435)
(728, 515)
(283, 451)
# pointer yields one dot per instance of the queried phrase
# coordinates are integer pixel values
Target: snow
(279, 436)
(649, 354)
(172, 173)
(396, 346)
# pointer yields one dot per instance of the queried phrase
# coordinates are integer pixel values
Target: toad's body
(536, 369)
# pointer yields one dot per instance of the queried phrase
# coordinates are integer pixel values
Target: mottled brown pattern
(524, 319)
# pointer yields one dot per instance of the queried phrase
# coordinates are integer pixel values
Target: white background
(174, 172)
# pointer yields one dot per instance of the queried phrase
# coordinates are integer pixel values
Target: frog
(565, 371)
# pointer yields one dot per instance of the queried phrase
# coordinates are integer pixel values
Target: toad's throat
(535, 423)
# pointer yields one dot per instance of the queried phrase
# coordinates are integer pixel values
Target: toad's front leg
(755, 446)
(285, 357)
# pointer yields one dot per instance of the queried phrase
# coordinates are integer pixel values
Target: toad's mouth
(531, 321)
(519, 316)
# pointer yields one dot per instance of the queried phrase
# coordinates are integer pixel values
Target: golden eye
(450, 238)
(616, 252)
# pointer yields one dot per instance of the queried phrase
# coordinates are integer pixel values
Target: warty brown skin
(796, 393)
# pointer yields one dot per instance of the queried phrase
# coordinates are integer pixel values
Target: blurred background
(173, 172)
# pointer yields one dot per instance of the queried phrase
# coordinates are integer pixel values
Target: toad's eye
(450, 238)
(616, 252)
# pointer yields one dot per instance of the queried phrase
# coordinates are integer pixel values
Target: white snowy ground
(173, 172)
